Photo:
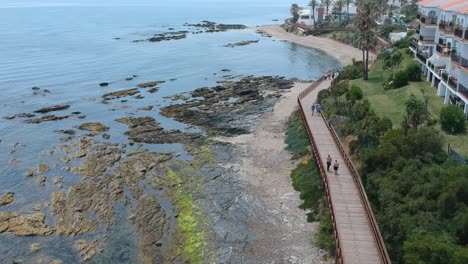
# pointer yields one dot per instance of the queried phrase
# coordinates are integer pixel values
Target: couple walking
(335, 166)
(316, 106)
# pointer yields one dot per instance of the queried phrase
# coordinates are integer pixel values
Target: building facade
(441, 46)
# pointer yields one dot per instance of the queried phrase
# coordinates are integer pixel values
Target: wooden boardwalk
(356, 233)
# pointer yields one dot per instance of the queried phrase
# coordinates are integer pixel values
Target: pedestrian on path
(336, 166)
(313, 109)
(329, 162)
(319, 108)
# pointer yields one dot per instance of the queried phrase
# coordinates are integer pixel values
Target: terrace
(426, 39)
(442, 49)
(459, 61)
(428, 21)
(446, 28)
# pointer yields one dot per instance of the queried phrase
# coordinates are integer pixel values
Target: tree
(348, 2)
(452, 119)
(415, 111)
(327, 4)
(313, 4)
(339, 4)
(295, 9)
(365, 22)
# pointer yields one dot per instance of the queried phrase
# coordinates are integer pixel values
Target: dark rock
(23, 115)
(230, 108)
(52, 108)
(68, 131)
(150, 84)
(94, 127)
(7, 198)
(46, 91)
(105, 136)
(242, 43)
(36, 88)
(44, 119)
(122, 93)
(129, 78)
(104, 84)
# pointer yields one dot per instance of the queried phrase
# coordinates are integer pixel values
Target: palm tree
(313, 4)
(365, 22)
(348, 2)
(327, 4)
(295, 12)
(339, 4)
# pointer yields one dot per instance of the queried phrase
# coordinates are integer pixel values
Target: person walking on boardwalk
(336, 166)
(313, 109)
(319, 108)
(329, 162)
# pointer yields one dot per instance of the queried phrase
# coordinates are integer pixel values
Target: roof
(460, 6)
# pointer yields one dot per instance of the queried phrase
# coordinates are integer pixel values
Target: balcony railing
(421, 57)
(455, 57)
(426, 38)
(464, 63)
(428, 20)
(446, 27)
(458, 32)
(413, 45)
(462, 88)
(466, 35)
(453, 83)
(443, 50)
(444, 76)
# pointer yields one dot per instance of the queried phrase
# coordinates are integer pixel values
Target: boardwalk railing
(357, 179)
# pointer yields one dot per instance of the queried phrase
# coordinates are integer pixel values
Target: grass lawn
(391, 103)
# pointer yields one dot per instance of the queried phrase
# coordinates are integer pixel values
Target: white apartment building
(441, 46)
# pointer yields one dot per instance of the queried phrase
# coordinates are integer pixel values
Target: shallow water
(69, 48)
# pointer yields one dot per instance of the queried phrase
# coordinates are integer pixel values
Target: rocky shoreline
(205, 215)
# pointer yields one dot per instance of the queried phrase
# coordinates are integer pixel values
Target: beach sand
(283, 234)
(344, 53)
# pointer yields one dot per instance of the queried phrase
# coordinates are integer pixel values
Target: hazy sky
(37, 3)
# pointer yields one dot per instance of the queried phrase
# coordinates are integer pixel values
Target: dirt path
(282, 234)
(344, 53)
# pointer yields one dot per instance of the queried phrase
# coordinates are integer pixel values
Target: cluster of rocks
(263, 34)
(147, 130)
(24, 225)
(7, 198)
(241, 43)
(230, 108)
(203, 27)
(211, 27)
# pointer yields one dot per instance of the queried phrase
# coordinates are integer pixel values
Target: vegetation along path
(358, 238)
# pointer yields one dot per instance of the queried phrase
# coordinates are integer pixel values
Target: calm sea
(69, 47)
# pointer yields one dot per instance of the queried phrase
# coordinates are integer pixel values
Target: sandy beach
(283, 234)
(344, 53)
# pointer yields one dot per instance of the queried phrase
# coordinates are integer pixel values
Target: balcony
(466, 35)
(458, 32)
(463, 90)
(452, 82)
(444, 76)
(446, 28)
(459, 61)
(442, 50)
(428, 21)
(421, 57)
(427, 39)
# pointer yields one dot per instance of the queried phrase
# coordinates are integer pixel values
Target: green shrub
(400, 79)
(388, 84)
(351, 72)
(323, 95)
(452, 119)
(296, 138)
(414, 71)
(354, 94)
(340, 88)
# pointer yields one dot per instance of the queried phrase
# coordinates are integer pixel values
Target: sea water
(70, 46)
